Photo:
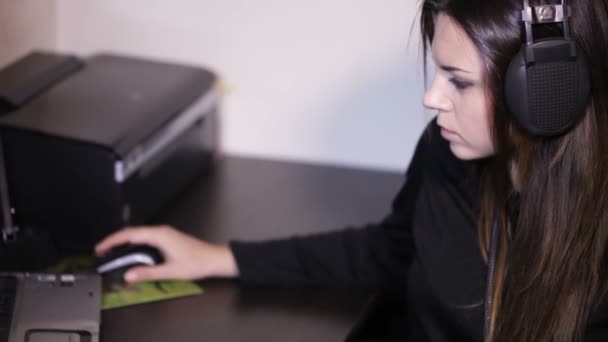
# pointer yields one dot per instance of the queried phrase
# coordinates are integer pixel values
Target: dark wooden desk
(259, 199)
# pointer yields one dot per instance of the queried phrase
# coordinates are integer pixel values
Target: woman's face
(457, 92)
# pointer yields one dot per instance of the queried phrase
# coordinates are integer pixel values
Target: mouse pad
(117, 295)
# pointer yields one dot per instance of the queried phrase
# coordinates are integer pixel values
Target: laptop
(39, 307)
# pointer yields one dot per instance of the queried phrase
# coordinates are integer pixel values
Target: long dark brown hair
(551, 271)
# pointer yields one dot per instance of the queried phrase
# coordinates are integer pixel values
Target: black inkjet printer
(94, 144)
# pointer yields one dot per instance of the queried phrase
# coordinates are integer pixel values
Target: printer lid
(114, 101)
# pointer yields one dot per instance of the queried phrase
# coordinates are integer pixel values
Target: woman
(481, 189)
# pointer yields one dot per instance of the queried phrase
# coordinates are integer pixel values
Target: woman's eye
(460, 84)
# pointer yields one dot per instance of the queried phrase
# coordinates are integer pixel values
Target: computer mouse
(117, 261)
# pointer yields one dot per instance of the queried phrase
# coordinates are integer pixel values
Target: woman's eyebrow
(453, 68)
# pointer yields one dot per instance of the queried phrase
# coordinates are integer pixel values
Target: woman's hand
(185, 257)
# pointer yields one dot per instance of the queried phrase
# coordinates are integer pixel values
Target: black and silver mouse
(117, 261)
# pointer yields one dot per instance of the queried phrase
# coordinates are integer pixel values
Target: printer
(93, 144)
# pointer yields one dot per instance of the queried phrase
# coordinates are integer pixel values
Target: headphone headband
(545, 14)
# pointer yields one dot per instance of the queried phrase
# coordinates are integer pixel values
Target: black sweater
(427, 245)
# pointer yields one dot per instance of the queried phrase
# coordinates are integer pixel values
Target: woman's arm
(376, 255)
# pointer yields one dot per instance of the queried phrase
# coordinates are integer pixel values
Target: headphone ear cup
(547, 97)
(516, 91)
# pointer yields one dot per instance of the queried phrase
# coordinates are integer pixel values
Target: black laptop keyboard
(8, 292)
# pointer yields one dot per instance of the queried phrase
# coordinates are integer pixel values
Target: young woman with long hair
(500, 230)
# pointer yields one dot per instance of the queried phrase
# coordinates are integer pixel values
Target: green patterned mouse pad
(147, 292)
(117, 295)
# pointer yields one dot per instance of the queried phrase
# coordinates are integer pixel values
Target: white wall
(331, 82)
(25, 24)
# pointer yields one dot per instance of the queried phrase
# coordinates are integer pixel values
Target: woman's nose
(435, 96)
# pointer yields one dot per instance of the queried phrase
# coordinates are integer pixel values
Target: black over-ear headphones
(547, 83)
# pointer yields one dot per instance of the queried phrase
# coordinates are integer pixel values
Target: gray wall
(25, 24)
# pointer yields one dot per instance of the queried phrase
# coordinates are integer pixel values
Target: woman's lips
(447, 134)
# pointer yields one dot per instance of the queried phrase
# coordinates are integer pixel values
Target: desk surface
(253, 199)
